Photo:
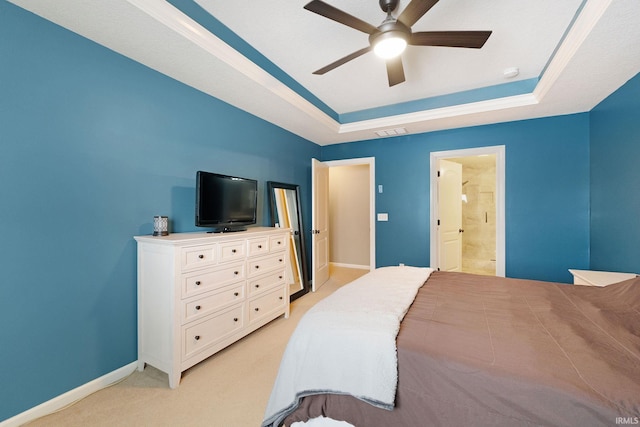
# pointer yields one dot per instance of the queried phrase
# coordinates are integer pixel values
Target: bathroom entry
(478, 208)
(470, 234)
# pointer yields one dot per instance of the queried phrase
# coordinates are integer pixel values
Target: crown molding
(441, 113)
(174, 19)
(580, 30)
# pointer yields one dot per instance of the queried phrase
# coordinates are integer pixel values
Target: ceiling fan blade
(328, 11)
(395, 70)
(341, 61)
(472, 39)
(415, 10)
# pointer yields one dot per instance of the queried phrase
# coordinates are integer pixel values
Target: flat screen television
(225, 203)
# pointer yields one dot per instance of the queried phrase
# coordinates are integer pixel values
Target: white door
(450, 216)
(320, 224)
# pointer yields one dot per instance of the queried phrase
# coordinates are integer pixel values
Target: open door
(450, 215)
(500, 220)
(320, 224)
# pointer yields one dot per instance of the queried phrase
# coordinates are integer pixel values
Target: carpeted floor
(230, 389)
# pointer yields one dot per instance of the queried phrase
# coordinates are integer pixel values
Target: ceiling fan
(389, 39)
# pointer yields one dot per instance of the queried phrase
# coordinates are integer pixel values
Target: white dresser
(200, 292)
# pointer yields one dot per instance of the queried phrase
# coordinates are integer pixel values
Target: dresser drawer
(258, 246)
(206, 304)
(215, 278)
(266, 304)
(264, 264)
(265, 282)
(198, 256)
(231, 251)
(278, 243)
(197, 337)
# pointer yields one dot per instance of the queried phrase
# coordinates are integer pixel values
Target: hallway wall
(349, 215)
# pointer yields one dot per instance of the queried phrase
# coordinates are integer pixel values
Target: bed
(485, 351)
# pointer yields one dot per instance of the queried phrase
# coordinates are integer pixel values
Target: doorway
(479, 193)
(350, 208)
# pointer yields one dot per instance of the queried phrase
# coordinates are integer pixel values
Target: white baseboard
(70, 397)
(341, 264)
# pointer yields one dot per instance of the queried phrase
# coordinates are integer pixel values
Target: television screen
(225, 203)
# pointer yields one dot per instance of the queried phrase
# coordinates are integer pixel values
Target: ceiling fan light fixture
(389, 45)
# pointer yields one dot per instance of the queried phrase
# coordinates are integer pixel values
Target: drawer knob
(197, 282)
(233, 251)
(235, 319)
(279, 277)
(281, 297)
(197, 307)
(257, 286)
(259, 246)
(236, 273)
(235, 294)
(256, 309)
(200, 256)
(197, 337)
(257, 267)
(280, 260)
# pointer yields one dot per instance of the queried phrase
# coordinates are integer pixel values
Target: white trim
(582, 27)
(371, 162)
(441, 113)
(358, 266)
(174, 19)
(499, 151)
(70, 397)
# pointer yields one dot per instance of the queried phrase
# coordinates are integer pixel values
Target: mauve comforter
(486, 351)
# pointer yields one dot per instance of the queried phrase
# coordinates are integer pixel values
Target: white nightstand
(598, 278)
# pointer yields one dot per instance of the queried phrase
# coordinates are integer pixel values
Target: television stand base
(228, 230)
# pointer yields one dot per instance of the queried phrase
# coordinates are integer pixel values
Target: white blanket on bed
(346, 343)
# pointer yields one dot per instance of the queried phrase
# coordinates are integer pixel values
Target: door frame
(499, 151)
(371, 162)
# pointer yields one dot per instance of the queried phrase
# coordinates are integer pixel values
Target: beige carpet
(230, 389)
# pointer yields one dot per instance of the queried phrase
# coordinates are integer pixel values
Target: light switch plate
(383, 217)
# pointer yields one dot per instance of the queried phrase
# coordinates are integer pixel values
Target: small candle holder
(160, 225)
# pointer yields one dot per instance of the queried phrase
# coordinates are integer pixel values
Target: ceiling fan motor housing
(388, 5)
(388, 29)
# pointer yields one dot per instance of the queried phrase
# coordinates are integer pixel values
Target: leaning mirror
(286, 213)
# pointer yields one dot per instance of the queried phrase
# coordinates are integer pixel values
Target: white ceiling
(581, 51)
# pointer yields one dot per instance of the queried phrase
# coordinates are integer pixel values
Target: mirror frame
(271, 185)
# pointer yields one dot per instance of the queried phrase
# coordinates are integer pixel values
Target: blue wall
(615, 180)
(92, 145)
(547, 192)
